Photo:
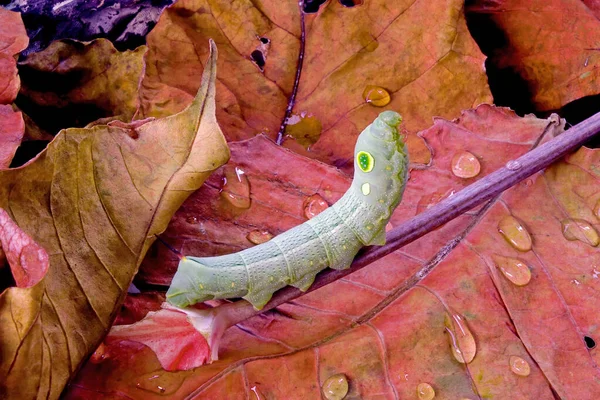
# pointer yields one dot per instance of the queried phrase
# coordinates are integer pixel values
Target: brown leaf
(72, 83)
(386, 327)
(551, 45)
(13, 39)
(95, 199)
(12, 128)
(28, 261)
(421, 53)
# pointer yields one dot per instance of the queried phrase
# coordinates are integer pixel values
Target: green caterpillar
(331, 239)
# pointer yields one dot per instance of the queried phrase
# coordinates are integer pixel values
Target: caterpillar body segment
(331, 239)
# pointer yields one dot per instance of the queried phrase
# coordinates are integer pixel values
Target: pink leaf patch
(170, 335)
(12, 128)
(28, 261)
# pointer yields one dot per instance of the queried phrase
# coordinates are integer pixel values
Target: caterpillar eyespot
(365, 161)
(331, 239)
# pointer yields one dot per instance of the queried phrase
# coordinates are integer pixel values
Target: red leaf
(28, 260)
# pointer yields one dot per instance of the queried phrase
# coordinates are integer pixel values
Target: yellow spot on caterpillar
(344, 247)
(311, 263)
(232, 284)
(370, 226)
(366, 188)
(271, 278)
(201, 286)
(365, 161)
(388, 168)
(381, 201)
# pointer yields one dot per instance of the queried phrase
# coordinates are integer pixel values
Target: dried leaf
(94, 199)
(72, 83)
(552, 46)
(419, 52)
(28, 261)
(12, 128)
(384, 326)
(13, 39)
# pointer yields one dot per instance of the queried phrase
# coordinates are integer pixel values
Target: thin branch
(292, 100)
(473, 195)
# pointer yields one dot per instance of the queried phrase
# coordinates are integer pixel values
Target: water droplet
(425, 391)
(519, 366)
(579, 229)
(335, 387)
(597, 209)
(465, 165)
(100, 354)
(376, 96)
(589, 342)
(513, 165)
(366, 188)
(236, 187)
(304, 128)
(259, 236)
(595, 273)
(575, 282)
(153, 384)
(462, 342)
(192, 220)
(515, 233)
(513, 269)
(314, 205)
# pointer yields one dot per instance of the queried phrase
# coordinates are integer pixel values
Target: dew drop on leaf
(376, 96)
(314, 205)
(259, 236)
(465, 165)
(99, 355)
(462, 342)
(304, 128)
(192, 220)
(425, 391)
(579, 229)
(236, 187)
(335, 387)
(519, 366)
(597, 209)
(515, 233)
(513, 269)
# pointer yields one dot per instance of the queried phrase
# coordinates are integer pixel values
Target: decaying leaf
(94, 200)
(72, 83)
(13, 39)
(552, 46)
(28, 261)
(12, 128)
(420, 53)
(386, 327)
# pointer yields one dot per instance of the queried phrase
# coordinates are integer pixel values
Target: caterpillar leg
(259, 299)
(304, 282)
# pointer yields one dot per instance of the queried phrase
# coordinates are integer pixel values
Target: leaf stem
(473, 195)
(292, 100)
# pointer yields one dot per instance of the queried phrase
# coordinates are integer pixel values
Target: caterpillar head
(380, 162)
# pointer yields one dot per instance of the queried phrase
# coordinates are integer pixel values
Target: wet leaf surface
(419, 52)
(94, 200)
(386, 328)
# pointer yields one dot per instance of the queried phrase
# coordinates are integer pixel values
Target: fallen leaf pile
(501, 302)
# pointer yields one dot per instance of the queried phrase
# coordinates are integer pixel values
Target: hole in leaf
(589, 342)
(26, 151)
(264, 40)
(351, 3)
(508, 87)
(258, 58)
(312, 6)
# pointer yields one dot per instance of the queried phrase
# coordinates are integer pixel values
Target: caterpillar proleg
(331, 239)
